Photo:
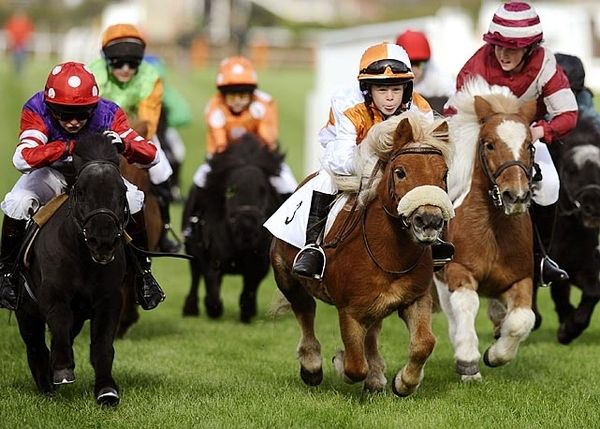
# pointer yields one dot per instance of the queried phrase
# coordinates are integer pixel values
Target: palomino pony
(490, 184)
(76, 272)
(228, 237)
(381, 261)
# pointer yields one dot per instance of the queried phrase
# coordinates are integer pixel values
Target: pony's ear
(442, 130)
(483, 109)
(528, 110)
(404, 133)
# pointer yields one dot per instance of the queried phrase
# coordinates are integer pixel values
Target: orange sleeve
(149, 108)
(216, 136)
(268, 128)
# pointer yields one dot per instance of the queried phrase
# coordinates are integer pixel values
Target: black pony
(574, 244)
(75, 272)
(228, 238)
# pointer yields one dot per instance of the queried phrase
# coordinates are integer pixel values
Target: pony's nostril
(418, 221)
(509, 197)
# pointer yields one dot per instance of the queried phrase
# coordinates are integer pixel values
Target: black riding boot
(13, 231)
(165, 244)
(148, 292)
(546, 271)
(442, 252)
(193, 212)
(310, 260)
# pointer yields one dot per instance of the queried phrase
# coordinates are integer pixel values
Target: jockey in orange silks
(385, 89)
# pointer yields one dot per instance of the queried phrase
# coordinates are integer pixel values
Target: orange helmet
(386, 64)
(123, 41)
(416, 45)
(236, 74)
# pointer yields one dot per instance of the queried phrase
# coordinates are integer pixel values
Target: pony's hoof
(470, 378)
(108, 396)
(487, 362)
(563, 336)
(311, 378)
(190, 312)
(63, 376)
(464, 368)
(214, 310)
(538, 321)
(375, 384)
(400, 388)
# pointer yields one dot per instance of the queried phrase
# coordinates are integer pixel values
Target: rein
(494, 191)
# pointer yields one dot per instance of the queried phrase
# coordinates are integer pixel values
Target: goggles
(68, 113)
(379, 67)
(119, 63)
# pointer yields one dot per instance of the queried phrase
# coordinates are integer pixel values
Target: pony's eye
(400, 173)
(489, 146)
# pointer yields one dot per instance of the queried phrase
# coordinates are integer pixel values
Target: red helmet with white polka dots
(71, 84)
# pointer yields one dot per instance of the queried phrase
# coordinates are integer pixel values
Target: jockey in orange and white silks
(430, 79)
(51, 120)
(385, 89)
(239, 108)
(513, 57)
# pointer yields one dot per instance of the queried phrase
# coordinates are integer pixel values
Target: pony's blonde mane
(465, 126)
(379, 144)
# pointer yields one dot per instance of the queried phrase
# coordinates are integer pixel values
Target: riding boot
(193, 212)
(13, 231)
(165, 244)
(546, 271)
(148, 292)
(442, 252)
(310, 260)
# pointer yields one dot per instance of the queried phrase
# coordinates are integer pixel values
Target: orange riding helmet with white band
(71, 84)
(386, 64)
(236, 74)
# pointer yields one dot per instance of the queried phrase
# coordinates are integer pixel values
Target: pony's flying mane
(379, 144)
(465, 126)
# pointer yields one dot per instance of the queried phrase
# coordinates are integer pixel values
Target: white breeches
(36, 188)
(546, 191)
(284, 183)
(160, 172)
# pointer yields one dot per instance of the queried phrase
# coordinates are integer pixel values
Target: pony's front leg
(212, 300)
(516, 326)
(103, 328)
(32, 328)
(461, 307)
(417, 317)
(60, 323)
(579, 319)
(375, 381)
(190, 306)
(252, 279)
(351, 363)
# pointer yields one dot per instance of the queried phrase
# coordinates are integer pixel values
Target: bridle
(494, 190)
(419, 150)
(82, 220)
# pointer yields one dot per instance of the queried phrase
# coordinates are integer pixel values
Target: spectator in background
(19, 30)
(431, 81)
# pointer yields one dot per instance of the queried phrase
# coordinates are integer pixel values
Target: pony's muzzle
(516, 201)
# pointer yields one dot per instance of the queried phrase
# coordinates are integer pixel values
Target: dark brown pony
(382, 262)
(490, 184)
(140, 178)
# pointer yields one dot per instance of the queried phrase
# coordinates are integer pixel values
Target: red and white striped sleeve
(138, 150)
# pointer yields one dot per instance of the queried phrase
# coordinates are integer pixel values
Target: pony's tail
(280, 305)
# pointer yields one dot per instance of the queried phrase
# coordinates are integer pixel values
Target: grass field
(176, 372)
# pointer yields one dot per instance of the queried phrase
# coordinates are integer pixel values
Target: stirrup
(548, 265)
(311, 246)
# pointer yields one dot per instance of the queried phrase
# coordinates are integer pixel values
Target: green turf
(196, 372)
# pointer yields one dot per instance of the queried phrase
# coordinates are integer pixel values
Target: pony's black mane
(247, 150)
(95, 147)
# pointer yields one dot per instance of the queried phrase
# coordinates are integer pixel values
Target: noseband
(494, 190)
(82, 221)
(419, 150)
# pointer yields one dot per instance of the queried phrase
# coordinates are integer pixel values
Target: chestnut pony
(490, 184)
(378, 255)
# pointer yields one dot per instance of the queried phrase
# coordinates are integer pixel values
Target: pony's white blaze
(513, 134)
(586, 153)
